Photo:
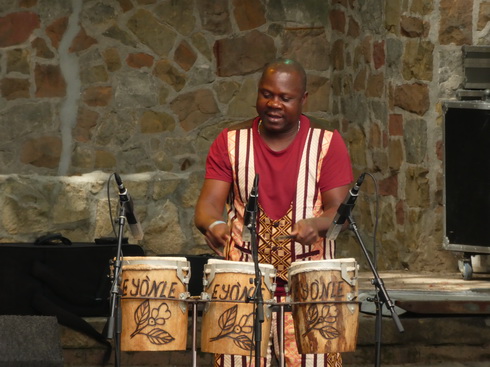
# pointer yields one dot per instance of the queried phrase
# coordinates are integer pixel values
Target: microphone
(344, 210)
(126, 200)
(252, 204)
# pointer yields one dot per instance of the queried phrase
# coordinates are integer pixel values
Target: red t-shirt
(278, 171)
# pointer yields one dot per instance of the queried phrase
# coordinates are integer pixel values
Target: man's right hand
(217, 237)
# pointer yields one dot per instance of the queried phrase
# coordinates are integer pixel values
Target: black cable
(110, 206)
(376, 216)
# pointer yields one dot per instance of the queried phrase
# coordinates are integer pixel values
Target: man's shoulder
(318, 123)
(241, 125)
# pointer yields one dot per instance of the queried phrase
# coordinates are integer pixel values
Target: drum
(154, 317)
(324, 305)
(228, 319)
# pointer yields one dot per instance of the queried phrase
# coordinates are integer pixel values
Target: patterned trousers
(292, 357)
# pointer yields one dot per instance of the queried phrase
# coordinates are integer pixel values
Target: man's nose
(274, 103)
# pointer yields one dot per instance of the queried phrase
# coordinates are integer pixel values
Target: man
(304, 175)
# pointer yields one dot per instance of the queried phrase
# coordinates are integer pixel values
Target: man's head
(281, 95)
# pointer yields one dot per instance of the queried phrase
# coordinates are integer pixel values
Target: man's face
(280, 100)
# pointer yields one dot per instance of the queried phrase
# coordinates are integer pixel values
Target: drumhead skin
(160, 261)
(240, 266)
(314, 265)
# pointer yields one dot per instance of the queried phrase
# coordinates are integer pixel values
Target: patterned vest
(307, 203)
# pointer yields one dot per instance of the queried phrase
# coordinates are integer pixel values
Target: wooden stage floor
(429, 293)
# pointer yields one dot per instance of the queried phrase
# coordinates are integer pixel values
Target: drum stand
(382, 298)
(251, 223)
(257, 297)
(113, 326)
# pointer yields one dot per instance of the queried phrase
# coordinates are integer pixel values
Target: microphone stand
(382, 298)
(114, 326)
(258, 296)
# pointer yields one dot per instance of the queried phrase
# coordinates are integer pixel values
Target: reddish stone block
(185, 56)
(139, 60)
(413, 98)
(379, 54)
(16, 28)
(389, 186)
(395, 125)
(56, 30)
(248, 14)
(81, 42)
(337, 20)
(49, 81)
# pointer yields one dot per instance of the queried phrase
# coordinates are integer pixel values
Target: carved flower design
(329, 314)
(244, 326)
(159, 315)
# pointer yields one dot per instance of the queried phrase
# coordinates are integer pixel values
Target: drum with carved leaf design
(324, 304)
(154, 313)
(228, 317)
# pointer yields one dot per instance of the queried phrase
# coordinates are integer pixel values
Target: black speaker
(30, 341)
(467, 174)
(73, 277)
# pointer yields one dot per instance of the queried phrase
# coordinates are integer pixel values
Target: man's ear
(304, 98)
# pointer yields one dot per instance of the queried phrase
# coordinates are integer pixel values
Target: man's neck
(278, 141)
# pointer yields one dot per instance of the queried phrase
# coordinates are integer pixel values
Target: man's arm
(209, 209)
(308, 231)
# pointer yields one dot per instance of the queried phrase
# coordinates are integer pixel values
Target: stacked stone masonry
(88, 88)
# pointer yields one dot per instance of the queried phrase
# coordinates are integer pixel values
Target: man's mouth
(274, 117)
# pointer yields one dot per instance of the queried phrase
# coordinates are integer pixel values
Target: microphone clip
(252, 207)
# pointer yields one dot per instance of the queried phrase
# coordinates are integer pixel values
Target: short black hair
(285, 64)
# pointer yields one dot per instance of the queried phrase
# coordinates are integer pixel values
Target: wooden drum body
(227, 322)
(154, 317)
(324, 304)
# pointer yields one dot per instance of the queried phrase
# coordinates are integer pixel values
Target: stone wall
(141, 87)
